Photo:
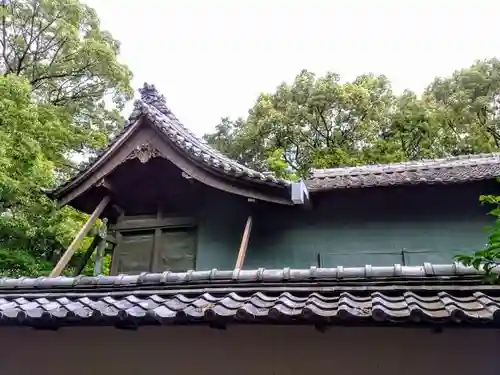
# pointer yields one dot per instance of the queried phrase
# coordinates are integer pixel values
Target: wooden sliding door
(133, 254)
(155, 250)
(176, 251)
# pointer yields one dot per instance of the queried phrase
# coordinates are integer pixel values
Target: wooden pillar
(244, 244)
(79, 237)
(101, 248)
(155, 253)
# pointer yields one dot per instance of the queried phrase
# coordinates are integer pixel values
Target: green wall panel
(221, 224)
(347, 227)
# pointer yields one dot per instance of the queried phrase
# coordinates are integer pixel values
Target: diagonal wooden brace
(244, 244)
(66, 257)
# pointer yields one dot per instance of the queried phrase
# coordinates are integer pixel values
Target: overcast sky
(211, 58)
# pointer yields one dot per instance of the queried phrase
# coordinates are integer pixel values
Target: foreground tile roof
(430, 294)
(438, 171)
(259, 307)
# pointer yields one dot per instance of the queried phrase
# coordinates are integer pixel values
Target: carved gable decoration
(145, 152)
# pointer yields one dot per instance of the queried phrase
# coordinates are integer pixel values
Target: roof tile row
(259, 308)
(241, 276)
(436, 171)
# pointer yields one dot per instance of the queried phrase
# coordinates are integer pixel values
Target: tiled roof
(430, 294)
(152, 105)
(243, 276)
(264, 308)
(438, 171)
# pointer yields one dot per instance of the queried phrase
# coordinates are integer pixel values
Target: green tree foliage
(314, 121)
(319, 122)
(61, 91)
(30, 225)
(58, 46)
(489, 257)
(469, 108)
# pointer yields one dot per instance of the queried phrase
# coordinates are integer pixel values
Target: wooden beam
(79, 237)
(244, 244)
(150, 222)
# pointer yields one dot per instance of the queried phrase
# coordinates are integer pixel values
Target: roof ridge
(152, 98)
(410, 163)
(193, 142)
(256, 275)
(193, 138)
(155, 102)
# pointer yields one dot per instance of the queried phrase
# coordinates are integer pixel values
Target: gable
(154, 132)
(144, 143)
